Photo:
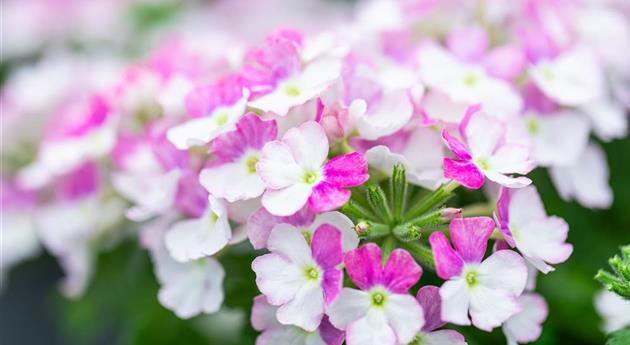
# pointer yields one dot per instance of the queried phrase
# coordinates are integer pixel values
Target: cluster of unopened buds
(340, 156)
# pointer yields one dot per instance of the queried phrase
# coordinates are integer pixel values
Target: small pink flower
(525, 225)
(486, 290)
(294, 172)
(299, 276)
(381, 313)
(232, 173)
(485, 154)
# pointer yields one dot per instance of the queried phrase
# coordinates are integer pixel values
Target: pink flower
(525, 225)
(273, 332)
(486, 290)
(294, 172)
(381, 313)
(232, 174)
(299, 276)
(485, 154)
(431, 302)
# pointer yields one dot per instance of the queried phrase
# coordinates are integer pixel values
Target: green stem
(388, 245)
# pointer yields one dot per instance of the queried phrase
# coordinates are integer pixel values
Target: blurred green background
(121, 304)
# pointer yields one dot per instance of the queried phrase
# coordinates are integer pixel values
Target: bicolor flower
(486, 290)
(381, 313)
(214, 109)
(294, 172)
(203, 235)
(485, 154)
(261, 223)
(273, 332)
(301, 277)
(231, 174)
(278, 78)
(525, 225)
(431, 302)
(526, 325)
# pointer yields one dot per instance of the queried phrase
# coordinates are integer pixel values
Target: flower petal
(327, 197)
(429, 298)
(470, 237)
(401, 271)
(372, 329)
(465, 173)
(349, 306)
(308, 144)
(489, 308)
(277, 167)
(504, 270)
(277, 278)
(290, 244)
(364, 265)
(526, 326)
(404, 316)
(457, 147)
(287, 201)
(305, 310)
(326, 246)
(448, 263)
(349, 237)
(348, 170)
(455, 302)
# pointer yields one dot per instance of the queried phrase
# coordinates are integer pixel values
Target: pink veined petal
(251, 131)
(327, 197)
(347, 170)
(330, 335)
(447, 262)
(364, 266)
(326, 246)
(470, 237)
(401, 271)
(456, 146)
(332, 284)
(465, 173)
(429, 298)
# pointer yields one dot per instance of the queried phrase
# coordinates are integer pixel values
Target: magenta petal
(191, 198)
(470, 237)
(458, 148)
(431, 302)
(503, 214)
(327, 197)
(401, 271)
(364, 265)
(326, 246)
(330, 335)
(465, 173)
(447, 262)
(332, 284)
(348, 170)
(251, 132)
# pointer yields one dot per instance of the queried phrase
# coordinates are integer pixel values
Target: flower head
(487, 289)
(485, 154)
(381, 312)
(299, 276)
(294, 172)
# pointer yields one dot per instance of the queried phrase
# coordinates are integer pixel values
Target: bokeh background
(121, 306)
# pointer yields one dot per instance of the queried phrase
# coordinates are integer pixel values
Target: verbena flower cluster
(334, 154)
